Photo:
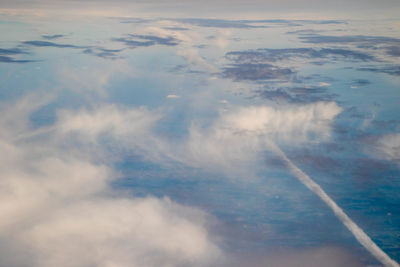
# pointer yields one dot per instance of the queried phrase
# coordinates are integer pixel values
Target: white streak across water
(358, 233)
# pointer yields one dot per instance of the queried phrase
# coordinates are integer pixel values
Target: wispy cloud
(231, 143)
(388, 147)
(234, 141)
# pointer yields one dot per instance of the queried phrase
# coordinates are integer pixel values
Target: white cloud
(107, 119)
(55, 193)
(324, 84)
(237, 136)
(290, 124)
(388, 147)
(58, 209)
(123, 128)
(173, 96)
(121, 232)
(195, 60)
(231, 142)
(222, 39)
(15, 121)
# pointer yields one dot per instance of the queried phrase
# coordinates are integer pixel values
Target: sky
(355, 9)
(168, 133)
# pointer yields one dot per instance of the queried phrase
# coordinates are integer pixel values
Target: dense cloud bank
(58, 208)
